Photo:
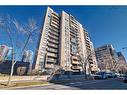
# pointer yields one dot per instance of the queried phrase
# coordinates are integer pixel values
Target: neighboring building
(106, 57)
(9, 54)
(20, 67)
(94, 66)
(121, 58)
(3, 52)
(27, 56)
(62, 40)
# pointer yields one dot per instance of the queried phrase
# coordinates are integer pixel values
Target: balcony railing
(54, 33)
(53, 41)
(75, 62)
(51, 36)
(52, 60)
(75, 67)
(52, 45)
(51, 54)
(52, 50)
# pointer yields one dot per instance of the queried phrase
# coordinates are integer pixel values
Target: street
(108, 84)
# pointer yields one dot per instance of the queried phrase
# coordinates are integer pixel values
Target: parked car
(117, 74)
(125, 78)
(111, 75)
(100, 75)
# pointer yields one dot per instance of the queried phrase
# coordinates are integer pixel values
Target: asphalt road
(108, 84)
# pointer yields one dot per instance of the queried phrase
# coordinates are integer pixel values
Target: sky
(105, 24)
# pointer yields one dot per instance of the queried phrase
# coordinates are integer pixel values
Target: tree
(56, 72)
(15, 31)
(121, 68)
(84, 62)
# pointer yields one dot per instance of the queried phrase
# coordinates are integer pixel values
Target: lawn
(29, 83)
(20, 84)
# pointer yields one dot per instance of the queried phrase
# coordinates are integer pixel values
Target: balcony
(88, 46)
(52, 45)
(74, 58)
(51, 60)
(53, 24)
(73, 40)
(49, 65)
(52, 55)
(52, 50)
(90, 60)
(55, 15)
(72, 34)
(54, 33)
(75, 68)
(75, 62)
(74, 26)
(53, 41)
(53, 37)
(54, 29)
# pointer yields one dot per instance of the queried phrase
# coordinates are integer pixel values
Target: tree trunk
(12, 68)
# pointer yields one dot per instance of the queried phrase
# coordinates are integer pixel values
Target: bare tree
(57, 70)
(84, 62)
(13, 28)
(121, 68)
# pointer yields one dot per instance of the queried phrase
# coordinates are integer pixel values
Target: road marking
(85, 83)
(75, 82)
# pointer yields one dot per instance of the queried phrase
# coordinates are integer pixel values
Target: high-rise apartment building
(106, 57)
(72, 43)
(121, 58)
(9, 54)
(3, 52)
(94, 66)
(62, 40)
(27, 56)
(48, 49)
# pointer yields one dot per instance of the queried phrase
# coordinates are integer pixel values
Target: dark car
(111, 75)
(100, 75)
(125, 78)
